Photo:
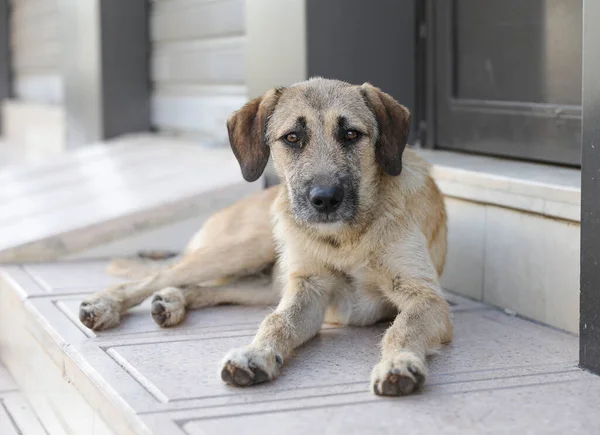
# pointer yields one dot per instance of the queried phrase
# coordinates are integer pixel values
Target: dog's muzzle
(326, 199)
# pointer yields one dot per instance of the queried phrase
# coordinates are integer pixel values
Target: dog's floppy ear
(247, 130)
(393, 123)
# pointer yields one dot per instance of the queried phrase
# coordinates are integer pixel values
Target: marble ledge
(537, 188)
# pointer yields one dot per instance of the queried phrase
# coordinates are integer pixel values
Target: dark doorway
(508, 78)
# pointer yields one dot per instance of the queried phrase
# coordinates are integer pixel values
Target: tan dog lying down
(355, 234)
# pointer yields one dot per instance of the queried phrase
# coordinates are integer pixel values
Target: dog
(355, 234)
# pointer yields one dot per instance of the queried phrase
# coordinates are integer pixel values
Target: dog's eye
(351, 135)
(292, 138)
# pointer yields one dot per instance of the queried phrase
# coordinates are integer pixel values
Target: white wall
(35, 50)
(197, 66)
(518, 260)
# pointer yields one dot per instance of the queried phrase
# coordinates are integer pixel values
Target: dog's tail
(145, 264)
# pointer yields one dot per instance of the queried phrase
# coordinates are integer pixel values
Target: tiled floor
(16, 415)
(502, 374)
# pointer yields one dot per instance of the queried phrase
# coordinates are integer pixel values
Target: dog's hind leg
(170, 304)
(236, 259)
(234, 243)
(104, 309)
(205, 268)
(138, 268)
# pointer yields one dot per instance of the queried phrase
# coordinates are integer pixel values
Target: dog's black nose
(326, 199)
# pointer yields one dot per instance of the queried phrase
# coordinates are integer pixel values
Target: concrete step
(513, 234)
(502, 374)
(16, 415)
(112, 191)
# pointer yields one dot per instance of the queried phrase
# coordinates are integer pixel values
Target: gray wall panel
(365, 41)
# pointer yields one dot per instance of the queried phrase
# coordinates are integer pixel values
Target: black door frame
(589, 327)
(532, 131)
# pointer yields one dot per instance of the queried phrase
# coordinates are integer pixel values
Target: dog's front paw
(100, 312)
(399, 375)
(168, 307)
(250, 365)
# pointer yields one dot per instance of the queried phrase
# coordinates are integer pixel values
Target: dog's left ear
(393, 123)
(247, 130)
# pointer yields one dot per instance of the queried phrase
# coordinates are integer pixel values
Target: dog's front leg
(422, 325)
(297, 319)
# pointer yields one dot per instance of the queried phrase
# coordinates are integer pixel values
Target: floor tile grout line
(181, 422)
(473, 309)
(10, 417)
(193, 337)
(528, 375)
(78, 325)
(151, 389)
(315, 396)
(205, 329)
(37, 279)
(537, 324)
(106, 346)
(558, 363)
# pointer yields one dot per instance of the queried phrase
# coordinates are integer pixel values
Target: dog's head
(330, 141)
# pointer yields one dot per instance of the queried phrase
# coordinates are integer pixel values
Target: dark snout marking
(326, 199)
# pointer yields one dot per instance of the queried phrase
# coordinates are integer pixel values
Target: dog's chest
(359, 303)
(348, 259)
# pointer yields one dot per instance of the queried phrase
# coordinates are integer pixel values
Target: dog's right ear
(247, 130)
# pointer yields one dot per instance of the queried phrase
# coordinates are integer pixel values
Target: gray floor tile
(16, 415)
(501, 374)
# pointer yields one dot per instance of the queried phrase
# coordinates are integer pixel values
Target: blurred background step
(16, 415)
(136, 190)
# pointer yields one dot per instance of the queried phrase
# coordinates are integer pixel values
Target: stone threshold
(501, 372)
(543, 189)
(513, 234)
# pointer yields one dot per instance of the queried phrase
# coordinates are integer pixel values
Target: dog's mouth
(327, 219)
(305, 213)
